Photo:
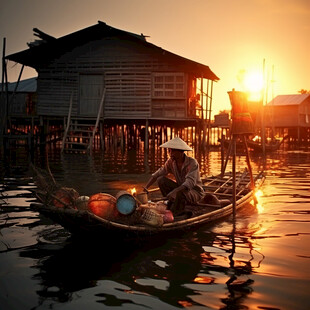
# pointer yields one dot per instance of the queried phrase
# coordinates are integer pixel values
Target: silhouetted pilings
(126, 135)
(132, 135)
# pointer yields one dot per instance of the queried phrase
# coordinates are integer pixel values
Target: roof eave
(37, 56)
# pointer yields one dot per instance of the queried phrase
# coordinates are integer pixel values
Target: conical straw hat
(177, 144)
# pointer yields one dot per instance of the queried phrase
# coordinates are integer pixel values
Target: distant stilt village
(103, 86)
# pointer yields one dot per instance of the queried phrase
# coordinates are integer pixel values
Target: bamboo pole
(68, 124)
(210, 110)
(90, 145)
(5, 82)
(248, 162)
(102, 135)
(263, 118)
(146, 138)
(202, 114)
(227, 156)
(17, 83)
(3, 62)
(2, 112)
(234, 176)
(121, 130)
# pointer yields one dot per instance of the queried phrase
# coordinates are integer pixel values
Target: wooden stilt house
(289, 115)
(116, 77)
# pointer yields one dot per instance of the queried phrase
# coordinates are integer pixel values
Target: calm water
(263, 264)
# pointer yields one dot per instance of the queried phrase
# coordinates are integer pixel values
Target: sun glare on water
(259, 205)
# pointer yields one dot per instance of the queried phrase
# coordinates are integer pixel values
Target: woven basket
(152, 218)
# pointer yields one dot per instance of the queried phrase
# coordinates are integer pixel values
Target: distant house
(22, 97)
(222, 120)
(290, 112)
(141, 81)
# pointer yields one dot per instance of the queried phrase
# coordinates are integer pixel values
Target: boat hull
(85, 223)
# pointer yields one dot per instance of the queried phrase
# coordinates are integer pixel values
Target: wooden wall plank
(127, 70)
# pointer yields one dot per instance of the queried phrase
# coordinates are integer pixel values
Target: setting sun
(254, 83)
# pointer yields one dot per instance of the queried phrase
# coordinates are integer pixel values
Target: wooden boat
(256, 146)
(269, 146)
(217, 203)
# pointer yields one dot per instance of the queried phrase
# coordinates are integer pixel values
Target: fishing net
(49, 192)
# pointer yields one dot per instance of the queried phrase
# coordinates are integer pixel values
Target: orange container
(103, 205)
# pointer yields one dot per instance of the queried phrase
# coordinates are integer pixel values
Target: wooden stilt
(234, 175)
(102, 135)
(122, 137)
(222, 151)
(248, 161)
(153, 136)
(146, 138)
(227, 156)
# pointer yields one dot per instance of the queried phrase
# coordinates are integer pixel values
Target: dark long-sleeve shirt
(189, 176)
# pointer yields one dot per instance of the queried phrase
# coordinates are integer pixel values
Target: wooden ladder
(80, 132)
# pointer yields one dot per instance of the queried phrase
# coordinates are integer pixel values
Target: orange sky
(228, 36)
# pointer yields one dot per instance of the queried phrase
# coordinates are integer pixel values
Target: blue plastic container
(125, 203)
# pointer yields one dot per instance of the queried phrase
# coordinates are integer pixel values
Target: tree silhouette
(304, 91)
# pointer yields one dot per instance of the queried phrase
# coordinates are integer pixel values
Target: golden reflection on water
(185, 304)
(259, 206)
(239, 266)
(204, 279)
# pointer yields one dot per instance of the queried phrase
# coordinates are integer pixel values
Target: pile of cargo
(123, 205)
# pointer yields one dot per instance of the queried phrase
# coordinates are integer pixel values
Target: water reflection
(192, 270)
(220, 266)
(179, 272)
(76, 266)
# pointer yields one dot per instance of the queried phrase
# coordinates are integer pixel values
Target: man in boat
(187, 186)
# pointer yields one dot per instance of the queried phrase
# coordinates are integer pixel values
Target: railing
(90, 146)
(68, 124)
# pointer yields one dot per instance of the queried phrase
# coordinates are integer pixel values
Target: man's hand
(173, 194)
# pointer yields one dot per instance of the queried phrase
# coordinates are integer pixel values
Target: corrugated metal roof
(26, 86)
(288, 99)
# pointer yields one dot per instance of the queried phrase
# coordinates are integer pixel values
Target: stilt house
(290, 113)
(22, 97)
(117, 74)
